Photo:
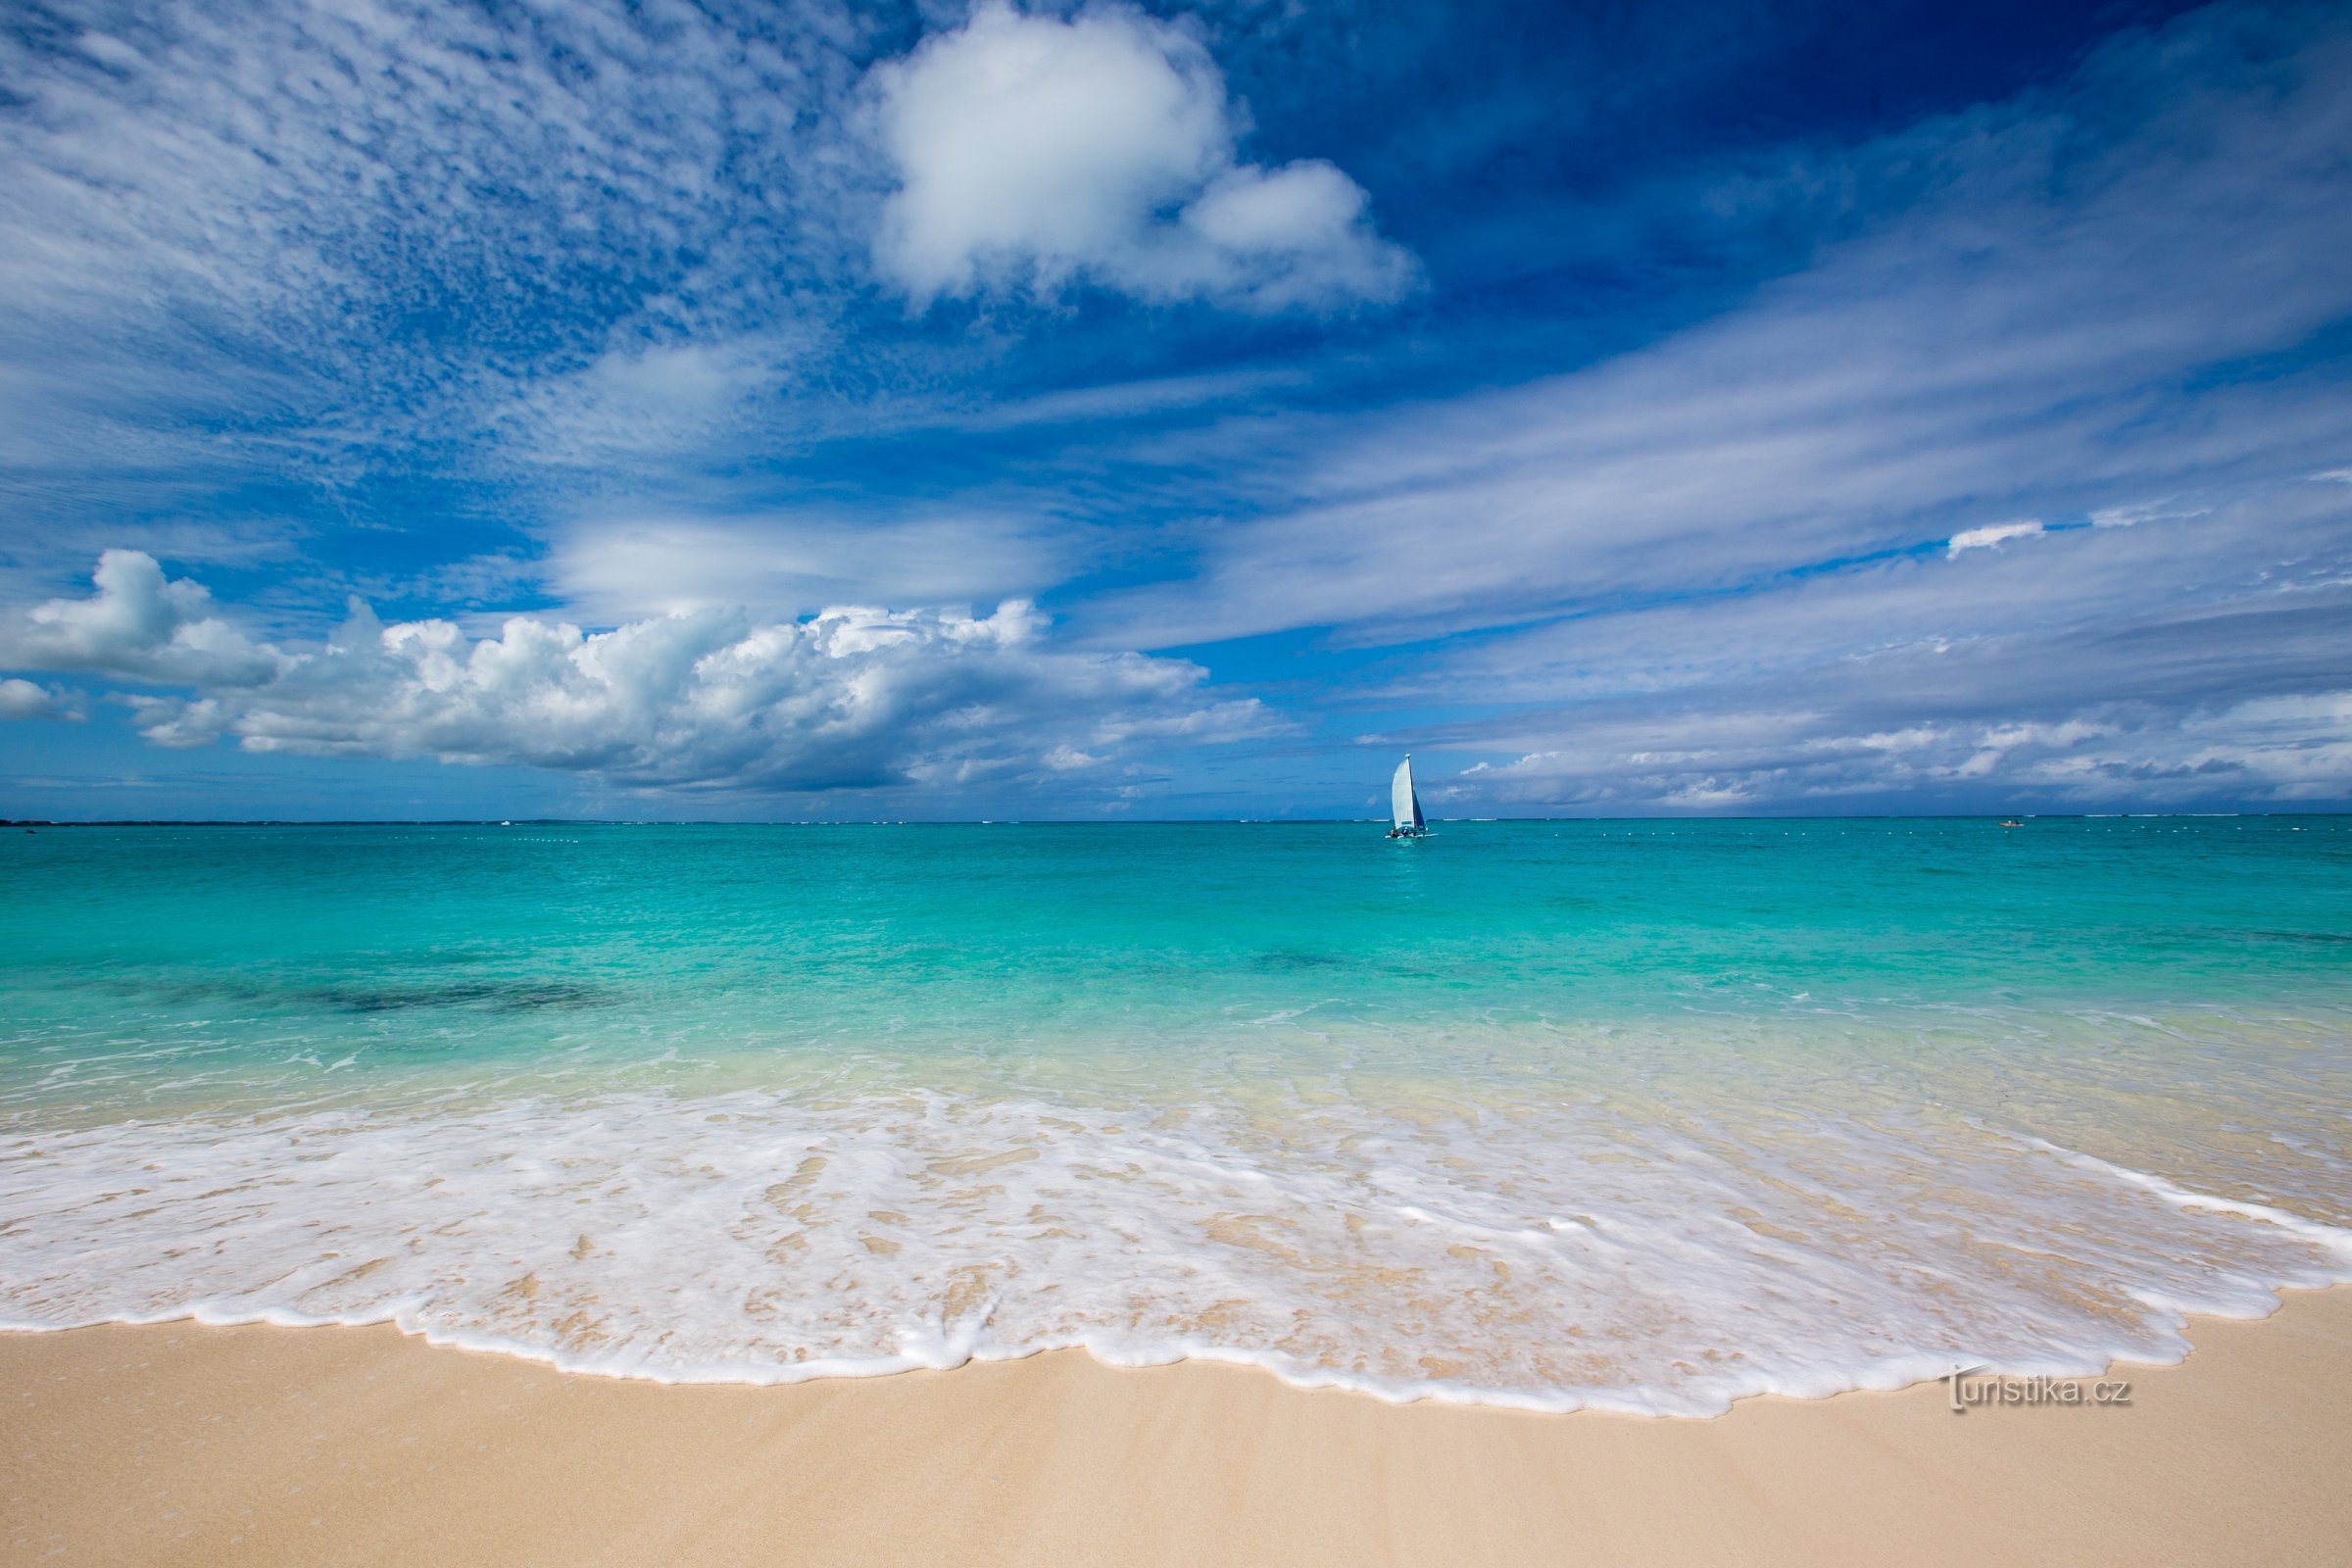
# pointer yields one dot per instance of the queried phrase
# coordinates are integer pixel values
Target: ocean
(1643, 1117)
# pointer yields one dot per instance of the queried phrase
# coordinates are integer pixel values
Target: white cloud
(1035, 151)
(619, 567)
(1991, 536)
(21, 698)
(140, 626)
(1707, 795)
(2133, 515)
(2264, 751)
(111, 51)
(854, 698)
(641, 401)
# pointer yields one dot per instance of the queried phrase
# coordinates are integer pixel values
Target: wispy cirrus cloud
(309, 240)
(2190, 659)
(2039, 320)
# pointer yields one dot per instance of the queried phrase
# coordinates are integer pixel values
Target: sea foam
(1541, 1256)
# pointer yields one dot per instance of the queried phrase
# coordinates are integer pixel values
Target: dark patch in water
(2302, 936)
(498, 997)
(1283, 962)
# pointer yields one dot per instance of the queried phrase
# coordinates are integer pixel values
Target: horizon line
(1167, 821)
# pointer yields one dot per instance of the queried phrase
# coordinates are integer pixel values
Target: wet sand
(180, 1443)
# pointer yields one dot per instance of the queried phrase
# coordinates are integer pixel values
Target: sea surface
(1639, 1115)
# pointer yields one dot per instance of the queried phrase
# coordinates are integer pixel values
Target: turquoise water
(1634, 1113)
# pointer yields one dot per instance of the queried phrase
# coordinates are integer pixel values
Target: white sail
(1405, 806)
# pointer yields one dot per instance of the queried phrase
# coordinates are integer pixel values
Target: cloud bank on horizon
(849, 698)
(1081, 409)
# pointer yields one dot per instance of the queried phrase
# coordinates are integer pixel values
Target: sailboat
(1404, 804)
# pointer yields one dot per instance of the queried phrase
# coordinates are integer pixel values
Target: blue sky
(806, 412)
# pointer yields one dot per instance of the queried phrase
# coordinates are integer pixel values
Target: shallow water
(1643, 1116)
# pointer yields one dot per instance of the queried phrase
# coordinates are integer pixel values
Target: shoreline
(950, 1355)
(183, 1443)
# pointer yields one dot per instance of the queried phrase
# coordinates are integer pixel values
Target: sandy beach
(182, 1444)
(1072, 782)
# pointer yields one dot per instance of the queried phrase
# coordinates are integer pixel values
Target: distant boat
(1404, 804)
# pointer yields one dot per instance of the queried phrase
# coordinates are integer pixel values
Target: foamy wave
(1546, 1257)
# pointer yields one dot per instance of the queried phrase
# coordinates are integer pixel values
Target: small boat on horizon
(1405, 803)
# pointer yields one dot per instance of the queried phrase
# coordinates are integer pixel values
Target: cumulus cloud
(141, 625)
(1035, 151)
(852, 697)
(21, 698)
